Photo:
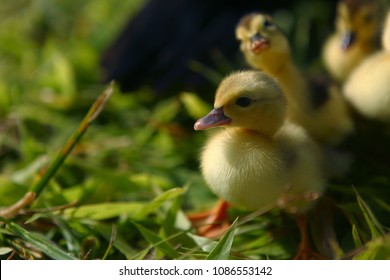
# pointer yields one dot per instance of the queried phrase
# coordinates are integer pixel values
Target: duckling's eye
(243, 101)
(267, 23)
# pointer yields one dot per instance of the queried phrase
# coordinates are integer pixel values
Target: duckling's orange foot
(212, 223)
(304, 249)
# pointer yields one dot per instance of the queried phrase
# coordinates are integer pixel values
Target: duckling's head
(386, 33)
(357, 21)
(249, 100)
(262, 42)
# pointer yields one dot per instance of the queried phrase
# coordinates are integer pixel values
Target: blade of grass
(15, 208)
(135, 210)
(49, 172)
(157, 241)
(91, 115)
(221, 251)
(375, 227)
(120, 243)
(114, 232)
(5, 250)
(356, 238)
(40, 242)
(377, 249)
(206, 244)
(210, 74)
(194, 105)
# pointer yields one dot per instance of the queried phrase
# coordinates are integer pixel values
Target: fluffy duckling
(357, 26)
(259, 160)
(324, 113)
(368, 88)
(259, 156)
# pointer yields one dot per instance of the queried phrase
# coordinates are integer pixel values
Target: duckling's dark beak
(258, 43)
(348, 40)
(215, 118)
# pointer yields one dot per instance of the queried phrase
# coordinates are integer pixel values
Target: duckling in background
(357, 29)
(324, 113)
(259, 159)
(368, 88)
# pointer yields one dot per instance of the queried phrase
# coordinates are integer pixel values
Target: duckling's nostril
(215, 118)
(258, 43)
(255, 37)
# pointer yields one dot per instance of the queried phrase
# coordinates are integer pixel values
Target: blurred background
(135, 172)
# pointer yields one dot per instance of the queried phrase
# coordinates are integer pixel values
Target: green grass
(124, 190)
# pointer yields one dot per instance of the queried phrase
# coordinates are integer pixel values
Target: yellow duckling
(324, 113)
(259, 158)
(368, 88)
(357, 26)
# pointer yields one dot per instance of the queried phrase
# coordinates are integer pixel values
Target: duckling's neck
(263, 134)
(278, 65)
(291, 81)
(251, 135)
(366, 45)
(285, 73)
(272, 63)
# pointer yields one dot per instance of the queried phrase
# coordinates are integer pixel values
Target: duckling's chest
(243, 169)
